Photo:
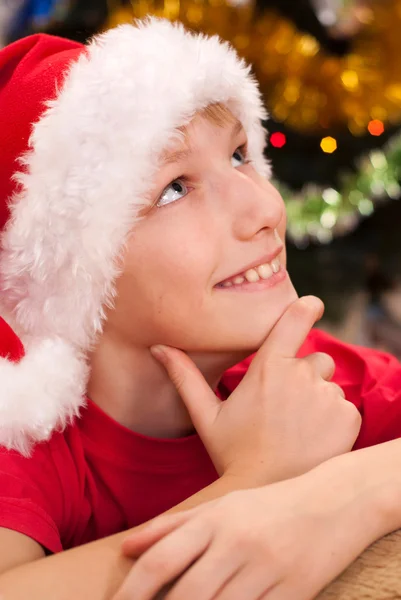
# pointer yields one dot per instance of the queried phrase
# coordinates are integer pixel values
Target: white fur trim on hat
(93, 155)
(40, 393)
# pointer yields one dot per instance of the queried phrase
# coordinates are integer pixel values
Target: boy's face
(213, 218)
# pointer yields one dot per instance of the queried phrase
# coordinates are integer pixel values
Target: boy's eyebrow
(173, 157)
(178, 155)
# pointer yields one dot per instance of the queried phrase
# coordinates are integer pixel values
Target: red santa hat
(82, 130)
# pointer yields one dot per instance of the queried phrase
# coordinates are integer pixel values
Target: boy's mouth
(264, 271)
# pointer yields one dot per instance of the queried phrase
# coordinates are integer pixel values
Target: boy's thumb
(202, 404)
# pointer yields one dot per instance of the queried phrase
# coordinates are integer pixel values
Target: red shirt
(97, 477)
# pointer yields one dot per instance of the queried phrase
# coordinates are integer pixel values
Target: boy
(143, 218)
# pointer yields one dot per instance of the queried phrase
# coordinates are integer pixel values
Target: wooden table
(375, 575)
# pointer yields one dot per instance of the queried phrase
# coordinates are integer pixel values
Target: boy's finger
(165, 561)
(290, 332)
(139, 541)
(201, 402)
(322, 363)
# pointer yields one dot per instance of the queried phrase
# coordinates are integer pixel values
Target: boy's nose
(254, 207)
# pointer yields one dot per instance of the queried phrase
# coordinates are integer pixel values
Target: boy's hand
(279, 542)
(285, 416)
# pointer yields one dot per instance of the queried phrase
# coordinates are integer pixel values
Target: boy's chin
(258, 332)
(238, 338)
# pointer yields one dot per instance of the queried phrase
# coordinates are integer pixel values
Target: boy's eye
(174, 191)
(238, 158)
(178, 189)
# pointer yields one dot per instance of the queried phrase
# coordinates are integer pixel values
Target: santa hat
(82, 129)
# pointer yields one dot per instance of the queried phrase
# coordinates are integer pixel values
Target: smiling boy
(228, 247)
(143, 217)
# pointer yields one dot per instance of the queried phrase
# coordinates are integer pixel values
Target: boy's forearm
(94, 570)
(380, 468)
(370, 478)
(368, 482)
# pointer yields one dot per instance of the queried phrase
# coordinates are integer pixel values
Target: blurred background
(330, 72)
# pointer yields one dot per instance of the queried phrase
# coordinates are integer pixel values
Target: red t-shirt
(97, 477)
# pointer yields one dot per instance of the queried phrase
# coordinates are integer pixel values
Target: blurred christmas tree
(334, 91)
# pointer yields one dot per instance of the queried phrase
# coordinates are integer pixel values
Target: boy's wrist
(246, 477)
(367, 485)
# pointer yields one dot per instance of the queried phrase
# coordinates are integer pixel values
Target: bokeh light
(376, 127)
(328, 144)
(278, 139)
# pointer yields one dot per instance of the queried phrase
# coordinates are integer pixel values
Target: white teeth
(252, 276)
(265, 271)
(275, 265)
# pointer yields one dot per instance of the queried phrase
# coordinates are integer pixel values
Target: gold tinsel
(304, 87)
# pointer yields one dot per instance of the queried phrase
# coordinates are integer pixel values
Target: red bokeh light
(376, 127)
(278, 139)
